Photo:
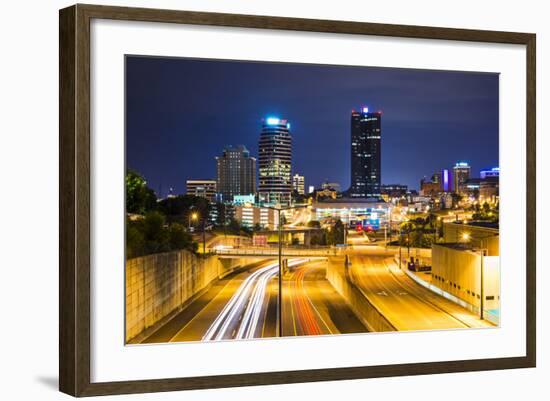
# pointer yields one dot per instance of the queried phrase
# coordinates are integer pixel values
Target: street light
(192, 216)
(280, 292)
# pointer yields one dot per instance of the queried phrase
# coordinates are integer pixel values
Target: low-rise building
(458, 263)
(489, 190)
(350, 211)
(202, 188)
(251, 215)
(429, 188)
(456, 269)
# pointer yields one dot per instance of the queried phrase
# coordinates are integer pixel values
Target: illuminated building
(461, 173)
(275, 162)
(429, 188)
(201, 188)
(249, 216)
(242, 199)
(326, 193)
(489, 189)
(490, 172)
(334, 186)
(457, 264)
(446, 183)
(236, 173)
(298, 184)
(436, 178)
(352, 212)
(365, 154)
(394, 190)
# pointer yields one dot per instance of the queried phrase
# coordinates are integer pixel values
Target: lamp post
(204, 236)
(280, 279)
(192, 216)
(400, 239)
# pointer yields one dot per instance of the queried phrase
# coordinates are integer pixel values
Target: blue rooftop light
(272, 121)
(365, 109)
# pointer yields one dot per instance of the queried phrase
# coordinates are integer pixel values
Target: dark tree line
(154, 226)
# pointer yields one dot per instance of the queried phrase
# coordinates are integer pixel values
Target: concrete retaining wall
(157, 285)
(369, 315)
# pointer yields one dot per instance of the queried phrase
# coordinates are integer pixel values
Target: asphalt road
(312, 306)
(244, 305)
(407, 305)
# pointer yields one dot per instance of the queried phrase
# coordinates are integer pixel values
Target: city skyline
(246, 258)
(415, 143)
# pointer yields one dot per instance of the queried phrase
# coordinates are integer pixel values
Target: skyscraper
(461, 173)
(365, 154)
(236, 173)
(275, 162)
(298, 184)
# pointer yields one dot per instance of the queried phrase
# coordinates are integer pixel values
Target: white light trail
(250, 295)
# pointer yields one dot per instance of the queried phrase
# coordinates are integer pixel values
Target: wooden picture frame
(74, 205)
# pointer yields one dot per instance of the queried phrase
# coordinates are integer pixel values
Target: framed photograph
(250, 200)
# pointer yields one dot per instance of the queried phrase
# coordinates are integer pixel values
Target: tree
(313, 224)
(139, 198)
(156, 237)
(234, 226)
(336, 233)
(319, 238)
(151, 235)
(416, 233)
(178, 208)
(135, 241)
(179, 238)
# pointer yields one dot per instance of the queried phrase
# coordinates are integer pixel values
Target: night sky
(182, 112)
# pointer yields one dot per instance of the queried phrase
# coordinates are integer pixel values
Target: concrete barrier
(370, 316)
(161, 284)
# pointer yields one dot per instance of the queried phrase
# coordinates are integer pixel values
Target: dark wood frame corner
(74, 195)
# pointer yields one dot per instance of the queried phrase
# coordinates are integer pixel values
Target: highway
(312, 306)
(243, 306)
(407, 305)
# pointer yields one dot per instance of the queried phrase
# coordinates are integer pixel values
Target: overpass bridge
(273, 252)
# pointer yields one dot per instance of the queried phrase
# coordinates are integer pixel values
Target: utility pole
(481, 291)
(280, 280)
(400, 239)
(204, 236)
(280, 297)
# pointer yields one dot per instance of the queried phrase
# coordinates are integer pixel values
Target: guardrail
(287, 251)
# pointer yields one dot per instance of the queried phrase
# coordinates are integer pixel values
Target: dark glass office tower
(275, 162)
(365, 154)
(236, 173)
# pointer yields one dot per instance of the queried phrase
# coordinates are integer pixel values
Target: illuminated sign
(243, 200)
